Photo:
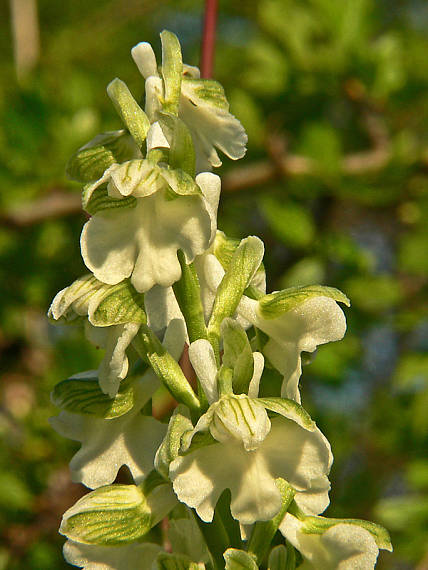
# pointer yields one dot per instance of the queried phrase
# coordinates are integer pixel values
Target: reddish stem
(208, 38)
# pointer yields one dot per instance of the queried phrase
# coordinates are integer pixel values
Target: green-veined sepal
(92, 160)
(81, 394)
(275, 304)
(133, 117)
(239, 560)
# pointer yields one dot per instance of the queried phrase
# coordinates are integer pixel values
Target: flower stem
(208, 38)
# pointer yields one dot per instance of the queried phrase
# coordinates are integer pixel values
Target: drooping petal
(299, 456)
(202, 357)
(138, 556)
(114, 366)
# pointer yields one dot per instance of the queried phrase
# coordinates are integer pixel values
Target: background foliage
(334, 98)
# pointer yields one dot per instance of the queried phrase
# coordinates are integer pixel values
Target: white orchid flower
(340, 545)
(296, 320)
(129, 439)
(202, 105)
(248, 451)
(168, 211)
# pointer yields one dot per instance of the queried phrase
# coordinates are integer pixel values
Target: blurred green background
(333, 95)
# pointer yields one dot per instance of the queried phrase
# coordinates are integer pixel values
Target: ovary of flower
(316, 321)
(341, 547)
(142, 242)
(203, 107)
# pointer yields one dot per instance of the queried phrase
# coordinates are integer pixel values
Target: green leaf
(290, 410)
(165, 367)
(133, 117)
(98, 200)
(81, 394)
(179, 423)
(165, 561)
(110, 515)
(120, 304)
(239, 560)
(237, 355)
(242, 267)
(181, 151)
(318, 525)
(188, 294)
(275, 304)
(172, 70)
(278, 558)
(224, 247)
(92, 160)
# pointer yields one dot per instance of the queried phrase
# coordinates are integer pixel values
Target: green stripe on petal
(90, 161)
(318, 525)
(275, 304)
(81, 394)
(180, 182)
(111, 515)
(120, 304)
(290, 410)
(98, 200)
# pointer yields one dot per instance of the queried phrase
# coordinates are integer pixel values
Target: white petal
(161, 308)
(145, 59)
(259, 363)
(175, 337)
(297, 455)
(315, 500)
(156, 137)
(114, 366)
(154, 96)
(210, 273)
(202, 357)
(138, 556)
(108, 245)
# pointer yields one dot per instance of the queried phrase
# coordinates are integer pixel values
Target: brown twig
(61, 203)
(208, 39)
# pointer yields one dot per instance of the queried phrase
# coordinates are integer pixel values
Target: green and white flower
(339, 544)
(111, 315)
(295, 320)
(202, 104)
(109, 438)
(163, 210)
(236, 446)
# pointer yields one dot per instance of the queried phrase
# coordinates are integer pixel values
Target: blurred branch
(280, 164)
(26, 37)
